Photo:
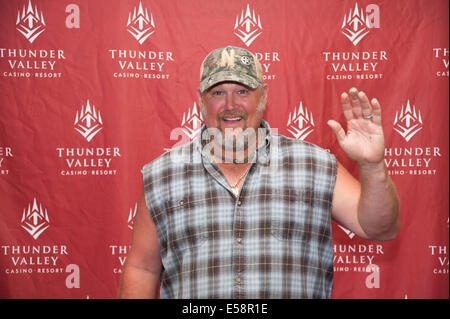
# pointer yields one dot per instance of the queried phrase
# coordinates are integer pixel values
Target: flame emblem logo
(30, 23)
(356, 25)
(300, 123)
(140, 25)
(409, 122)
(192, 122)
(248, 26)
(35, 219)
(348, 232)
(131, 216)
(88, 122)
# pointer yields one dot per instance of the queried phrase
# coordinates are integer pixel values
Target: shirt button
(238, 280)
(239, 203)
(239, 240)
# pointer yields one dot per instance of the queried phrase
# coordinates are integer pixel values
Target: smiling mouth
(232, 119)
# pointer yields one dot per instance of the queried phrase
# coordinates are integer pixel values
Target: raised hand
(364, 140)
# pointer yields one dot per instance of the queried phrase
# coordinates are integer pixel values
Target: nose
(229, 101)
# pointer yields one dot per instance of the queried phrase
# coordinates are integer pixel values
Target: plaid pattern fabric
(272, 241)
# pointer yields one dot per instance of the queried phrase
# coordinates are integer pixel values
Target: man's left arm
(370, 207)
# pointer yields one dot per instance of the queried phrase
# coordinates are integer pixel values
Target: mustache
(232, 113)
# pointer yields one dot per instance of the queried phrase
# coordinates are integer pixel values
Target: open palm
(364, 140)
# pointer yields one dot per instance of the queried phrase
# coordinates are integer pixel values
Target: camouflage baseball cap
(230, 64)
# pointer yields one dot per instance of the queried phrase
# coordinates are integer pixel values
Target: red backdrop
(93, 90)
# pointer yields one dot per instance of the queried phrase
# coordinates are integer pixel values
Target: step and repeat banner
(90, 91)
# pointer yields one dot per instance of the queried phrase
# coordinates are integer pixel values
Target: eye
(217, 93)
(243, 91)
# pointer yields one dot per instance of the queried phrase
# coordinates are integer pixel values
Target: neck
(223, 156)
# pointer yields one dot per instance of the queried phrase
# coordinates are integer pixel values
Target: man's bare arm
(369, 208)
(142, 268)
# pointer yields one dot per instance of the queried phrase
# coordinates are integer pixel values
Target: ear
(199, 99)
(200, 104)
(266, 93)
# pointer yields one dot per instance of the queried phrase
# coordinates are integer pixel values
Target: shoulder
(173, 159)
(163, 172)
(294, 147)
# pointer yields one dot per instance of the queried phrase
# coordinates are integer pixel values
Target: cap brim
(227, 76)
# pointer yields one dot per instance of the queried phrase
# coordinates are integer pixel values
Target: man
(247, 213)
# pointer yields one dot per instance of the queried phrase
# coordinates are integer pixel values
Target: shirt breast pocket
(291, 219)
(187, 223)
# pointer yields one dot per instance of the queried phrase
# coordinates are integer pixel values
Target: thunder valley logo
(145, 63)
(356, 25)
(44, 258)
(84, 161)
(411, 160)
(190, 127)
(300, 123)
(354, 257)
(192, 122)
(88, 122)
(361, 65)
(248, 26)
(35, 219)
(31, 62)
(30, 22)
(140, 25)
(408, 122)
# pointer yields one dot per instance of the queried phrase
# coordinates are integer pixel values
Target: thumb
(337, 130)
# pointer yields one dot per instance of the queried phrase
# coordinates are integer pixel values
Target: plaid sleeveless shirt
(273, 240)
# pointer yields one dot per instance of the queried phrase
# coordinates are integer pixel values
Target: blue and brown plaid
(273, 240)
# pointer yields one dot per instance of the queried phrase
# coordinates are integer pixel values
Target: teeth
(232, 119)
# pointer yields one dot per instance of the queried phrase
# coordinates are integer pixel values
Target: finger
(366, 109)
(347, 107)
(337, 130)
(376, 111)
(356, 103)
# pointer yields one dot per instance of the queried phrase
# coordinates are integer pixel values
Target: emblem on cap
(245, 60)
(227, 58)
